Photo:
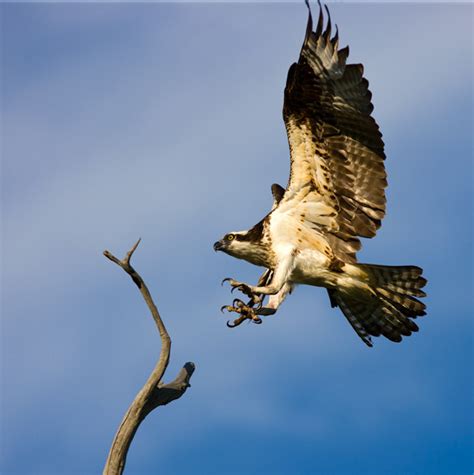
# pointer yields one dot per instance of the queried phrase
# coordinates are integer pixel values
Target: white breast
(311, 267)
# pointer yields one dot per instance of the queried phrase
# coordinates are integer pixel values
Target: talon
(225, 280)
(246, 313)
(230, 309)
(238, 303)
(236, 322)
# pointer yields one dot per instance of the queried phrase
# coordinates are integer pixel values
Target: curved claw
(225, 280)
(238, 303)
(239, 320)
(236, 322)
(229, 308)
(242, 318)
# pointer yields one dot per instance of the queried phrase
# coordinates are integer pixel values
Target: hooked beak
(218, 246)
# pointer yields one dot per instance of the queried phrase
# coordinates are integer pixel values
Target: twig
(154, 393)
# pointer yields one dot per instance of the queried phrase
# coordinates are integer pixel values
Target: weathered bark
(154, 393)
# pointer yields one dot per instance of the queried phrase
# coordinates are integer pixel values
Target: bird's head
(235, 244)
(248, 245)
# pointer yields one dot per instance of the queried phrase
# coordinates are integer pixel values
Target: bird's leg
(257, 299)
(275, 301)
(278, 280)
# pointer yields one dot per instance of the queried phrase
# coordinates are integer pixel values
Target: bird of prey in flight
(335, 195)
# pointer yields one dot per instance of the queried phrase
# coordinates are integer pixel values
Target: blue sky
(164, 121)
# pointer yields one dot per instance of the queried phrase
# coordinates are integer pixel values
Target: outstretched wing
(337, 176)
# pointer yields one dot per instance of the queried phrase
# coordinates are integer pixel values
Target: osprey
(335, 195)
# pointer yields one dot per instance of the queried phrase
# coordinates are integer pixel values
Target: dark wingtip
(327, 33)
(319, 27)
(309, 25)
(335, 40)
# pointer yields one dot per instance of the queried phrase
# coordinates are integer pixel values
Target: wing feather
(336, 148)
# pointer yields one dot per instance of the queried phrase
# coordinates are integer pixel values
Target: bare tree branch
(154, 393)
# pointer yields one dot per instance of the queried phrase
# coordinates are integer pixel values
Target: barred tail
(391, 305)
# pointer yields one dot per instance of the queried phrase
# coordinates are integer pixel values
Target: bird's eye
(230, 237)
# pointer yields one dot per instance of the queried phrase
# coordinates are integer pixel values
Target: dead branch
(154, 393)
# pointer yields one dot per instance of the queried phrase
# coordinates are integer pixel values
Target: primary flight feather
(335, 195)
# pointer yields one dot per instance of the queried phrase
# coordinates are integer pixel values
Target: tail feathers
(356, 318)
(391, 305)
(408, 305)
(405, 280)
